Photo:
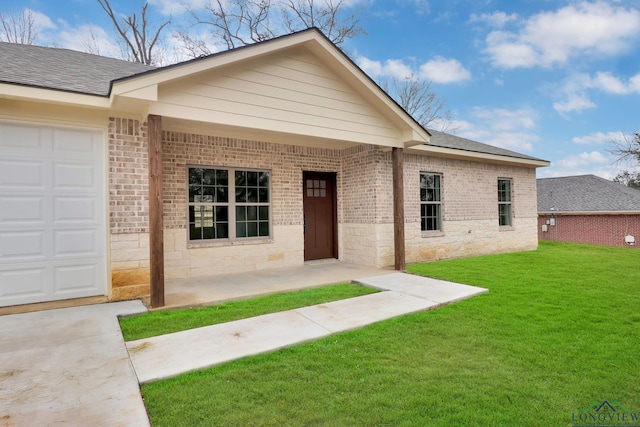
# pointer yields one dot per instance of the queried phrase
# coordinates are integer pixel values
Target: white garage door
(52, 213)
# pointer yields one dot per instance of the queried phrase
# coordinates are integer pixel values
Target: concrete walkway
(68, 367)
(173, 354)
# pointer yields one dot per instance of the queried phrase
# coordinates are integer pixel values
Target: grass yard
(559, 330)
(161, 322)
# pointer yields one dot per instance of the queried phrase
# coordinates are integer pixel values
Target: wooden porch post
(156, 244)
(398, 208)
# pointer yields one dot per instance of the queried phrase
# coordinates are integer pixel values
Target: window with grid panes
(504, 202)
(228, 204)
(430, 202)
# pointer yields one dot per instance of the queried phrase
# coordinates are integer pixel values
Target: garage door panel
(21, 137)
(20, 246)
(76, 243)
(18, 210)
(69, 176)
(75, 279)
(74, 141)
(74, 209)
(23, 285)
(15, 174)
(52, 213)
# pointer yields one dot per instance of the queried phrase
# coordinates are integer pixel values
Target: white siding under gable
(290, 92)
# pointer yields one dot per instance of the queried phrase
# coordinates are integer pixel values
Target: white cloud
(576, 88)
(41, 21)
(438, 70)
(552, 38)
(422, 7)
(391, 68)
(574, 102)
(584, 163)
(510, 129)
(88, 38)
(597, 138)
(582, 159)
(442, 70)
(495, 19)
(178, 7)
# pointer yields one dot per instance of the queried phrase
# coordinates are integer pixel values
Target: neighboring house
(260, 157)
(588, 209)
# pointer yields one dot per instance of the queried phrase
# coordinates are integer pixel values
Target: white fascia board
(474, 155)
(52, 96)
(147, 93)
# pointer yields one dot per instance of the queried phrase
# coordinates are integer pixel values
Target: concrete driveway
(68, 367)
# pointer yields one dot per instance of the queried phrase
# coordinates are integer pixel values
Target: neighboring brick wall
(608, 230)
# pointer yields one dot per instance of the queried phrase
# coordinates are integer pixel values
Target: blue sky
(549, 78)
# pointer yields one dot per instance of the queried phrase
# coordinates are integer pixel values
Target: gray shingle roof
(445, 140)
(62, 69)
(585, 193)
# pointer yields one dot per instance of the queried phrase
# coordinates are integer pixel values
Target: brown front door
(320, 215)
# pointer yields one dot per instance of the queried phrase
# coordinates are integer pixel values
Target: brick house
(260, 157)
(588, 209)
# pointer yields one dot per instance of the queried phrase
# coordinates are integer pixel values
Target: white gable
(287, 92)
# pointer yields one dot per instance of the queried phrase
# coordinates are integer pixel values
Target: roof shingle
(62, 69)
(585, 193)
(446, 140)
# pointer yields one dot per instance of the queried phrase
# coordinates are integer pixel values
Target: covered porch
(208, 290)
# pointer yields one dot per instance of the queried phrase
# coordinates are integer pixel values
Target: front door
(320, 215)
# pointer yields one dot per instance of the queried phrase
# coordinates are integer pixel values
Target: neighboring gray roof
(445, 140)
(62, 69)
(586, 193)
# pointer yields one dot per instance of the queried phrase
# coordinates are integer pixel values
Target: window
(228, 204)
(504, 202)
(430, 202)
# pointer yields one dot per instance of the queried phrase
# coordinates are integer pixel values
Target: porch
(206, 290)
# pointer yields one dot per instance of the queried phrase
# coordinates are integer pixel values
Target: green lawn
(161, 322)
(559, 329)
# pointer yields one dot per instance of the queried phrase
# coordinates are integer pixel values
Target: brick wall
(608, 230)
(286, 163)
(128, 176)
(365, 204)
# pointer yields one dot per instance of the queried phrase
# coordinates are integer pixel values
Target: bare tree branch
(235, 23)
(327, 15)
(627, 149)
(18, 28)
(134, 33)
(417, 99)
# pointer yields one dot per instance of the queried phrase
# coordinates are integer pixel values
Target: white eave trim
(52, 96)
(474, 155)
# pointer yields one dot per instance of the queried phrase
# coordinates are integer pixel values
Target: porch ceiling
(251, 134)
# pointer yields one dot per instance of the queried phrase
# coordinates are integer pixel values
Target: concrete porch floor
(206, 290)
